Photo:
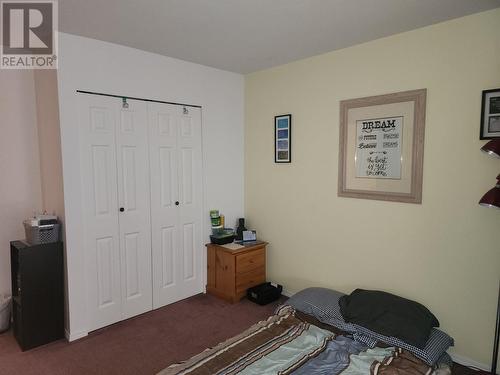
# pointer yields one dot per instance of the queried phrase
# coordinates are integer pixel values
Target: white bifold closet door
(116, 208)
(141, 170)
(176, 201)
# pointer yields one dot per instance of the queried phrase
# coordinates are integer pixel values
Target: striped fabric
(286, 344)
(361, 363)
(445, 360)
(279, 345)
(400, 362)
(436, 345)
(323, 304)
(369, 341)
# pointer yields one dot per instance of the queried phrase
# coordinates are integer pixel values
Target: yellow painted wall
(444, 253)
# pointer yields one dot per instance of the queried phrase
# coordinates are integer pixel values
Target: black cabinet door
(38, 293)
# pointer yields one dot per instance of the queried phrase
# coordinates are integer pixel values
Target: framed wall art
(283, 139)
(490, 114)
(381, 148)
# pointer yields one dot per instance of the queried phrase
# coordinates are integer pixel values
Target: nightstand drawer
(250, 261)
(248, 279)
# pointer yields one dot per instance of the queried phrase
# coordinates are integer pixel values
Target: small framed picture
(283, 139)
(490, 114)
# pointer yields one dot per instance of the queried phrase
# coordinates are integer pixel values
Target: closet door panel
(96, 123)
(167, 250)
(190, 208)
(176, 196)
(164, 195)
(134, 199)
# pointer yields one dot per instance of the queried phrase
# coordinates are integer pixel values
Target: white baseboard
(74, 336)
(460, 359)
(287, 293)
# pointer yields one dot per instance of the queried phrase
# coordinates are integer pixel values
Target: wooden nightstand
(232, 272)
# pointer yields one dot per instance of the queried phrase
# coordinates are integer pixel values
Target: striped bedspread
(285, 344)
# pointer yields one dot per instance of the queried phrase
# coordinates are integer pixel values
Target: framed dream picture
(490, 114)
(283, 139)
(381, 148)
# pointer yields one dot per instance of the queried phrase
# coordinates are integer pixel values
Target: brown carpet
(142, 345)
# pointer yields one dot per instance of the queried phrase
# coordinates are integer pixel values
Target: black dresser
(37, 293)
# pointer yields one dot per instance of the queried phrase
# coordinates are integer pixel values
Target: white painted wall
(446, 252)
(87, 64)
(20, 191)
(49, 141)
(49, 144)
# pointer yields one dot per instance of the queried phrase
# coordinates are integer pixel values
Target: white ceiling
(248, 35)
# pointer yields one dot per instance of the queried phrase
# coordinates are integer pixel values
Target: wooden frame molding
(410, 105)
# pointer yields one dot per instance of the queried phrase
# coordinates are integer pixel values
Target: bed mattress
(287, 343)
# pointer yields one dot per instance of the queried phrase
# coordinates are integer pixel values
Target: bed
(308, 335)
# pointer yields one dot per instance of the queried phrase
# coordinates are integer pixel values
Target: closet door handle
(176, 203)
(122, 209)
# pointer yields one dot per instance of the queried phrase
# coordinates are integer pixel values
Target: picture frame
(490, 114)
(381, 147)
(283, 138)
